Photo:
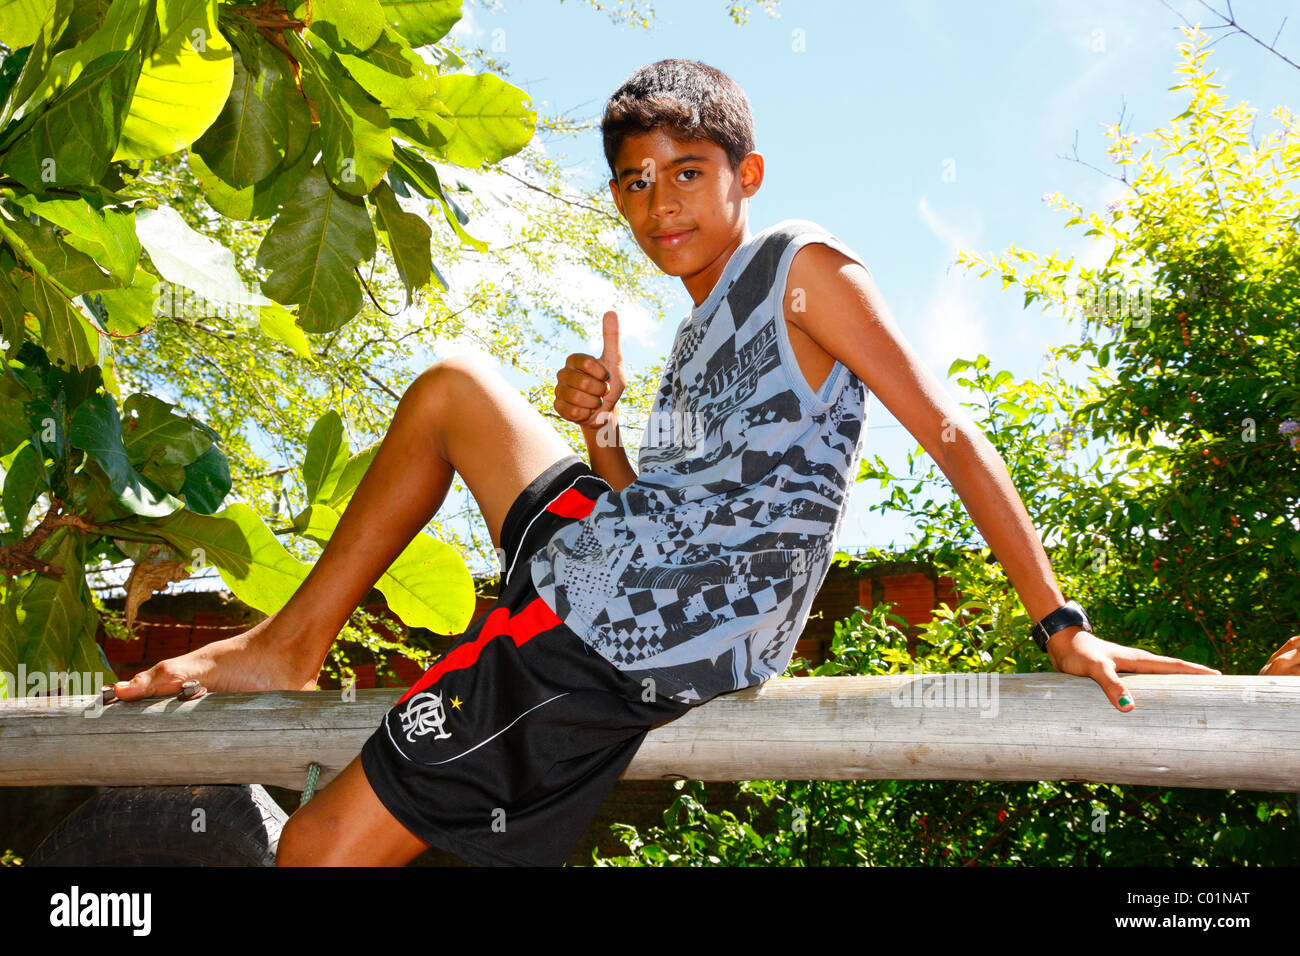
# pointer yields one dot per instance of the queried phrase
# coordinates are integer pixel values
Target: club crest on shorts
(424, 714)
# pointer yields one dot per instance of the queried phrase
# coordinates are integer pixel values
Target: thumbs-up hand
(588, 388)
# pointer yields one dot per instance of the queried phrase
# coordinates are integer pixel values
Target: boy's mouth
(671, 240)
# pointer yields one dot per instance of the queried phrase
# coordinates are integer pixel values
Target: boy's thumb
(613, 354)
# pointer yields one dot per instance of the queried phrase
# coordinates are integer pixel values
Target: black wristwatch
(1070, 614)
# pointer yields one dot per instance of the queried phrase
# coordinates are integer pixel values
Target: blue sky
(858, 128)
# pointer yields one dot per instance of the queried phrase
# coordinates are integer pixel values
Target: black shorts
(504, 750)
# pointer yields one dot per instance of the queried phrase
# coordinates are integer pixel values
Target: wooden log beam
(1240, 732)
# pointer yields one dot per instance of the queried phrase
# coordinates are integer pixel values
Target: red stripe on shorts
(572, 504)
(535, 618)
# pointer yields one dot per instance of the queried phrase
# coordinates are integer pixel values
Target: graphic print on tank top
(701, 573)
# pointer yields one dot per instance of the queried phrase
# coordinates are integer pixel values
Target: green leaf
(207, 481)
(66, 334)
(23, 485)
(21, 21)
(247, 141)
(12, 315)
(44, 251)
(44, 155)
(12, 642)
(408, 237)
(311, 251)
(96, 429)
(427, 586)
(356, 141)
(14, 427)
(260, 201)
(491, 116)
(394, 74)
(25, 69)
(344, 23)
(422, 22)
(105, 235)
(423, 178)
(182, 85)
(124, 26)
(327, 455)
(253, 563)
(353, 472)
(279, 323)
(193, 261)
(152, 432)
(131, 309)
(60, 621)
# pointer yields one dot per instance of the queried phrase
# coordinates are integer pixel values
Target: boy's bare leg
(345, 824)
(460, 415)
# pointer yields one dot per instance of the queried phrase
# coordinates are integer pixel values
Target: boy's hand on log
(1076, 651)
(1285, 661)
(588, 388)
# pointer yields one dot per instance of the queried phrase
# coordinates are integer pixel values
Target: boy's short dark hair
(686, 98)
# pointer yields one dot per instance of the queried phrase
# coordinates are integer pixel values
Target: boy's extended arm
(845, 314)
(605, 449)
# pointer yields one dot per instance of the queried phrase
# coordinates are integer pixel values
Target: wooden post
(1240, 732)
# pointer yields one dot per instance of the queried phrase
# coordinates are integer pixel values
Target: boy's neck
(701, 284)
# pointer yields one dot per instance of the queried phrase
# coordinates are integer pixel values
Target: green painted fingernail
(1124, 701)
(607, 376)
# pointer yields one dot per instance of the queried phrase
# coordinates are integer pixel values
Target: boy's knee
(453, 373)
(304, 841)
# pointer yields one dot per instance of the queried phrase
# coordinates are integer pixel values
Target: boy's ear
(618, 197)
(750, 172)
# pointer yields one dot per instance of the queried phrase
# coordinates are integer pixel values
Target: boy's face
(684, 203)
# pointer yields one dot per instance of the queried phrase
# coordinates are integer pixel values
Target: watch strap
(1069, 614)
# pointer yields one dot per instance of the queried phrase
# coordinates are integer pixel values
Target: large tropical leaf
(327, 456)
(354, 24)
(248, 139)
(183, 84)
(66, 334)
(394, 74)
(311, 250)
(96, 429)
(491, 117)
(408, 238)
(23, 484)
(72, 141)
(106, 235)
(356, 139)
(422, 22)
(60, 621)
(427, 586)
(18, 30)
(253, 563)
(193, 261)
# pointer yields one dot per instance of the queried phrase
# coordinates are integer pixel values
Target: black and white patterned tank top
(700, 575)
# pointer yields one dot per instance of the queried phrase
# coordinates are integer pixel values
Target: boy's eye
(632, 186)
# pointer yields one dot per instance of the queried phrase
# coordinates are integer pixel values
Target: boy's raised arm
(847, 316)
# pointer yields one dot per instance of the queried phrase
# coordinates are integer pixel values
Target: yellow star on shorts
(455, 702)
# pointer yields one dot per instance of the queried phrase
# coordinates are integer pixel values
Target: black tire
(239, 825)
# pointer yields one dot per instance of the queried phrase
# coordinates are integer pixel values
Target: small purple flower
(1289, 427)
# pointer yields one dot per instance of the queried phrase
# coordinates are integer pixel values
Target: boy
(628, 598)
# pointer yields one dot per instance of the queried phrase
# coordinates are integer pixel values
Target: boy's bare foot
(257, 659)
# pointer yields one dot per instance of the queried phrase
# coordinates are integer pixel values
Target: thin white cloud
(951, 322)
